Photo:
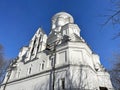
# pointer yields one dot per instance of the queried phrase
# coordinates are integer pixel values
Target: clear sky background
(19, 20)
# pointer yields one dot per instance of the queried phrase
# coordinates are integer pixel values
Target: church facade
(60, 61)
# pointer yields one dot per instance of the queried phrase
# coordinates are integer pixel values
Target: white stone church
(60, 61)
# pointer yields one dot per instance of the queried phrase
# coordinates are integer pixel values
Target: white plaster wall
(41, 81)
(81, 77)
(34, 83)
(104, 80)
(69, 29)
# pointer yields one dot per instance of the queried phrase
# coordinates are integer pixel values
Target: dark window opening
(32, 50)
(63, 83)
(38, 47)
(39, 66)
(96, 69)
(42, 66)
(33, 46)
(103, 88)
(29, 70)
(34, 41)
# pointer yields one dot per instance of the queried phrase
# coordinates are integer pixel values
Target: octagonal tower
(62, 25)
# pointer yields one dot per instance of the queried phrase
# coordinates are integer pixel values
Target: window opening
(32, 50)
(38, 46)
(42, 66)
(39, 66)
(19, 73)
(33, 46)
(30, 71)
(63, 83)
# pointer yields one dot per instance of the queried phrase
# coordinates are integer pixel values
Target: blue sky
(19, 20)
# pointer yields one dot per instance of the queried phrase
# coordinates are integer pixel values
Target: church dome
(61, 18)
(63, 15)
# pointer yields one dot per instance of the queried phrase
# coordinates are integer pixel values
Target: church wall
(81, 76)
(42, 81)
(104, 80)
(80, 54)
(79, 69)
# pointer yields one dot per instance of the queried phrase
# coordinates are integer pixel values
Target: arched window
(42, 66)
(19, 73)
(30, 70)
(32, 51)
(38, 46)
(63, 83)
(39, 66)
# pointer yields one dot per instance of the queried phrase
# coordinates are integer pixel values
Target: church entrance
(103, 88)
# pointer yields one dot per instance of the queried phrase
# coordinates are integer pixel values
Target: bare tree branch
(3, 63)
(112, 18)
(115, 72)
